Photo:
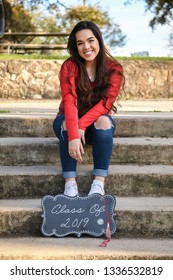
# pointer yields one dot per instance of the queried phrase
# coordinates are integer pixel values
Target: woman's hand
(76, 149)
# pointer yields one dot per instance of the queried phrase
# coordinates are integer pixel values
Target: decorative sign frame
(63, 215)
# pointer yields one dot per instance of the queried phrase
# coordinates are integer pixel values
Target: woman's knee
(103, 122)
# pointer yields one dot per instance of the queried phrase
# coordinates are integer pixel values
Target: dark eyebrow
(78, 41)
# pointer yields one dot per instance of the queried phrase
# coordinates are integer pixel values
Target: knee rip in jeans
(103, 123)
(63, 128)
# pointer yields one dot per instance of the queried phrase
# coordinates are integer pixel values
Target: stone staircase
(141, 178)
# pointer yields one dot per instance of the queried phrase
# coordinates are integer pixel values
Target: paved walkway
(50, 107)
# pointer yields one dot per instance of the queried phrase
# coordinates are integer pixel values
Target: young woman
(90, 81)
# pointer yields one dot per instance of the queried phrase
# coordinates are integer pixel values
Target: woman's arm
(68, 92)
(99, 109)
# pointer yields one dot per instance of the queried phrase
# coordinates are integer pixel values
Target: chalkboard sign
(63, 215)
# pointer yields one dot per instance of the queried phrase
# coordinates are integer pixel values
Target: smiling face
(87, 45)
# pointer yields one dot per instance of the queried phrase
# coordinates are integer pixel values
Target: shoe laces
(96, 188)
(71, 189)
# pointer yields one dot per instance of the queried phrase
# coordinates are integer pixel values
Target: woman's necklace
(91, 73)
(92, 78)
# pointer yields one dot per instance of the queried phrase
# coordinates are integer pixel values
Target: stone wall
(38, 79)
(29, 79)
(148, 79)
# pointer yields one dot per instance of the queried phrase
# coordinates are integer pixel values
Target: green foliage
(39, 20)
(63, 57)
(111, 31)
(161, 9)
(95, 14)
(21, 20)
(33, 4)
(113, 35)
(48, 23)
(17, 19)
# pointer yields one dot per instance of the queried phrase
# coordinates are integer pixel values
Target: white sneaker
(97, 187)
(71, 188)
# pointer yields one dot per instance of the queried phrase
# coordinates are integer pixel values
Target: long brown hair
(87, 95)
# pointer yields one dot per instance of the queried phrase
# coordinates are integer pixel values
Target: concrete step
(41, 150)
(136, 217)
(123, 180)
(143, 220)
(85, 248)
(51, 105)
(128, 125)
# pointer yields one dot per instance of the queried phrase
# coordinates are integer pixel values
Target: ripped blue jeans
(101, 141)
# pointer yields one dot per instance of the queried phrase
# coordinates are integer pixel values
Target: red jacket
(68, 74)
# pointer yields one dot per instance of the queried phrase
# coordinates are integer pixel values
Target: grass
(32, 56)
(4, 111)
(63, 57)
(164, 58)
